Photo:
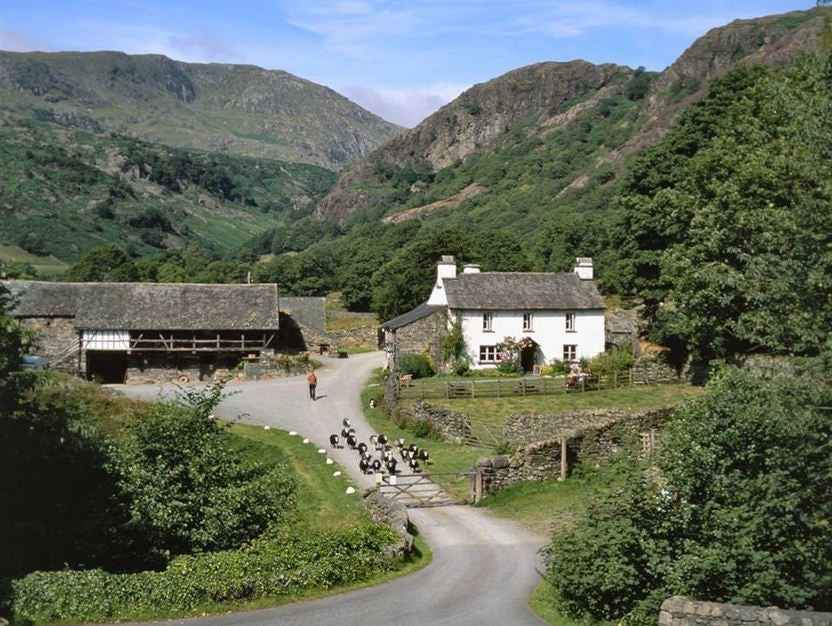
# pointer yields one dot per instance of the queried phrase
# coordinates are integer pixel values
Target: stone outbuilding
(117, 332)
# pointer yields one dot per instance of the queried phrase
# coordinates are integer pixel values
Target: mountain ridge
(241, 109)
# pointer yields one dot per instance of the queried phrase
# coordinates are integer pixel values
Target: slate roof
(150, 306)
(496, 291)
(423, 310)
(309, 311)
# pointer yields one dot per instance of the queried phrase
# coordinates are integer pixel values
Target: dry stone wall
(384, 510)
(592, 437)
(452, 426)
(525, 427)
(680, 611)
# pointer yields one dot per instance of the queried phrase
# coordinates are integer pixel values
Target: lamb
(363, 465)
(376, 465)
(351, 441)
(362, 447)
(382, 440)
(346, 422)
(391, 465)
(414, 465)
(334, 440)
(423, 456)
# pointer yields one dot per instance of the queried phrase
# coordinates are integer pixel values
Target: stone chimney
(471, 268)
(583, 268)
(446, 268)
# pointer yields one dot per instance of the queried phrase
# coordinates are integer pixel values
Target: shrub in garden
(617, 361)
(416, 365)
(737, 512)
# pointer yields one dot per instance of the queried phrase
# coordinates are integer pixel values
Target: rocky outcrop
(475, 122)
(774, 40)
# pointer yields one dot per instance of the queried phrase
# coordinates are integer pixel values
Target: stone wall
(525, 427)
(592, 437)
(384, 510)
(680, 611)
(650, 368)
(424, 336)
(164, 368)
(452, 426)
(56, 336)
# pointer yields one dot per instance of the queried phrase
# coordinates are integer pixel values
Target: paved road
(483, 568)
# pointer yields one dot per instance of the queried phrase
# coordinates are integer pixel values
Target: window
(488, 354)
(570, 352)
(487, 320)
(528, 319)
(570, 322)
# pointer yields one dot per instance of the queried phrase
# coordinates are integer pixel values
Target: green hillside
(64, 193)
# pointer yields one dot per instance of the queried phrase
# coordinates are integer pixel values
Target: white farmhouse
(553, 316)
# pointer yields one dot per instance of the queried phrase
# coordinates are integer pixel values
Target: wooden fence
(426, 389)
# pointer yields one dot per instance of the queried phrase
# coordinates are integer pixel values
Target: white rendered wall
(548, 330)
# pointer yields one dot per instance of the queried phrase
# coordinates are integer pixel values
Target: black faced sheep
(351, 441)
(334, 440)
(362, 447)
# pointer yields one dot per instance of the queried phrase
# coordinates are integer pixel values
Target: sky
(400, 59)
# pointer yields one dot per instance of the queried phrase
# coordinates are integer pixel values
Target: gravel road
(483, 568)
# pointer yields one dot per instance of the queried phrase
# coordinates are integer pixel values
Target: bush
(280, 565)
(416, 365)
(617, 361)
(186, 490)
(737, 512)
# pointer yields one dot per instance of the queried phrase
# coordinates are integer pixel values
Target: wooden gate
(425, 490)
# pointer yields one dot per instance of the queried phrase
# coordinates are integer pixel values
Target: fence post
(632, 381)
(615, 379)
(473, 393)
(498, 388)
(563, 468)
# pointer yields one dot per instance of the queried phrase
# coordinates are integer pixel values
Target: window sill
(571, 331)
(487, 330)
(528, 331)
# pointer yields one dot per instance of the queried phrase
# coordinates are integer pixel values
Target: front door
(527, 355)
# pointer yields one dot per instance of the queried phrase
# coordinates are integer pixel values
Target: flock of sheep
(411, 455)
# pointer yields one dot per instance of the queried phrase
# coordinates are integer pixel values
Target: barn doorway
(106, 366)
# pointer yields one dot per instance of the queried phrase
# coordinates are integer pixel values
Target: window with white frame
(488, 354)
(528, 321)
(570, 322)
(570, 352)
(487, 322)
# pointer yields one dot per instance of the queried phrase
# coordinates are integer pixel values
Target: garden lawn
(489, 414)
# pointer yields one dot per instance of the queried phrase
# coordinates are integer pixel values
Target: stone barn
(149, 332)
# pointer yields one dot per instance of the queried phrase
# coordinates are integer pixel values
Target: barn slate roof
(423, 310)
(150, 306)
(309, 311)
(521, 290)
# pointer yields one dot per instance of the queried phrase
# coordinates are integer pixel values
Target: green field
(44, 265)
(488, 415)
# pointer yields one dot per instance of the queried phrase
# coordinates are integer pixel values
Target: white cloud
(15, 41)
(192, 46)
(406, 106)
(571, 19)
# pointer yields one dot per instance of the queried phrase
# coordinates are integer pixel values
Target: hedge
(282, 565)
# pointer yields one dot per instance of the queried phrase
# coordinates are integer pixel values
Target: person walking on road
(313, 383)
